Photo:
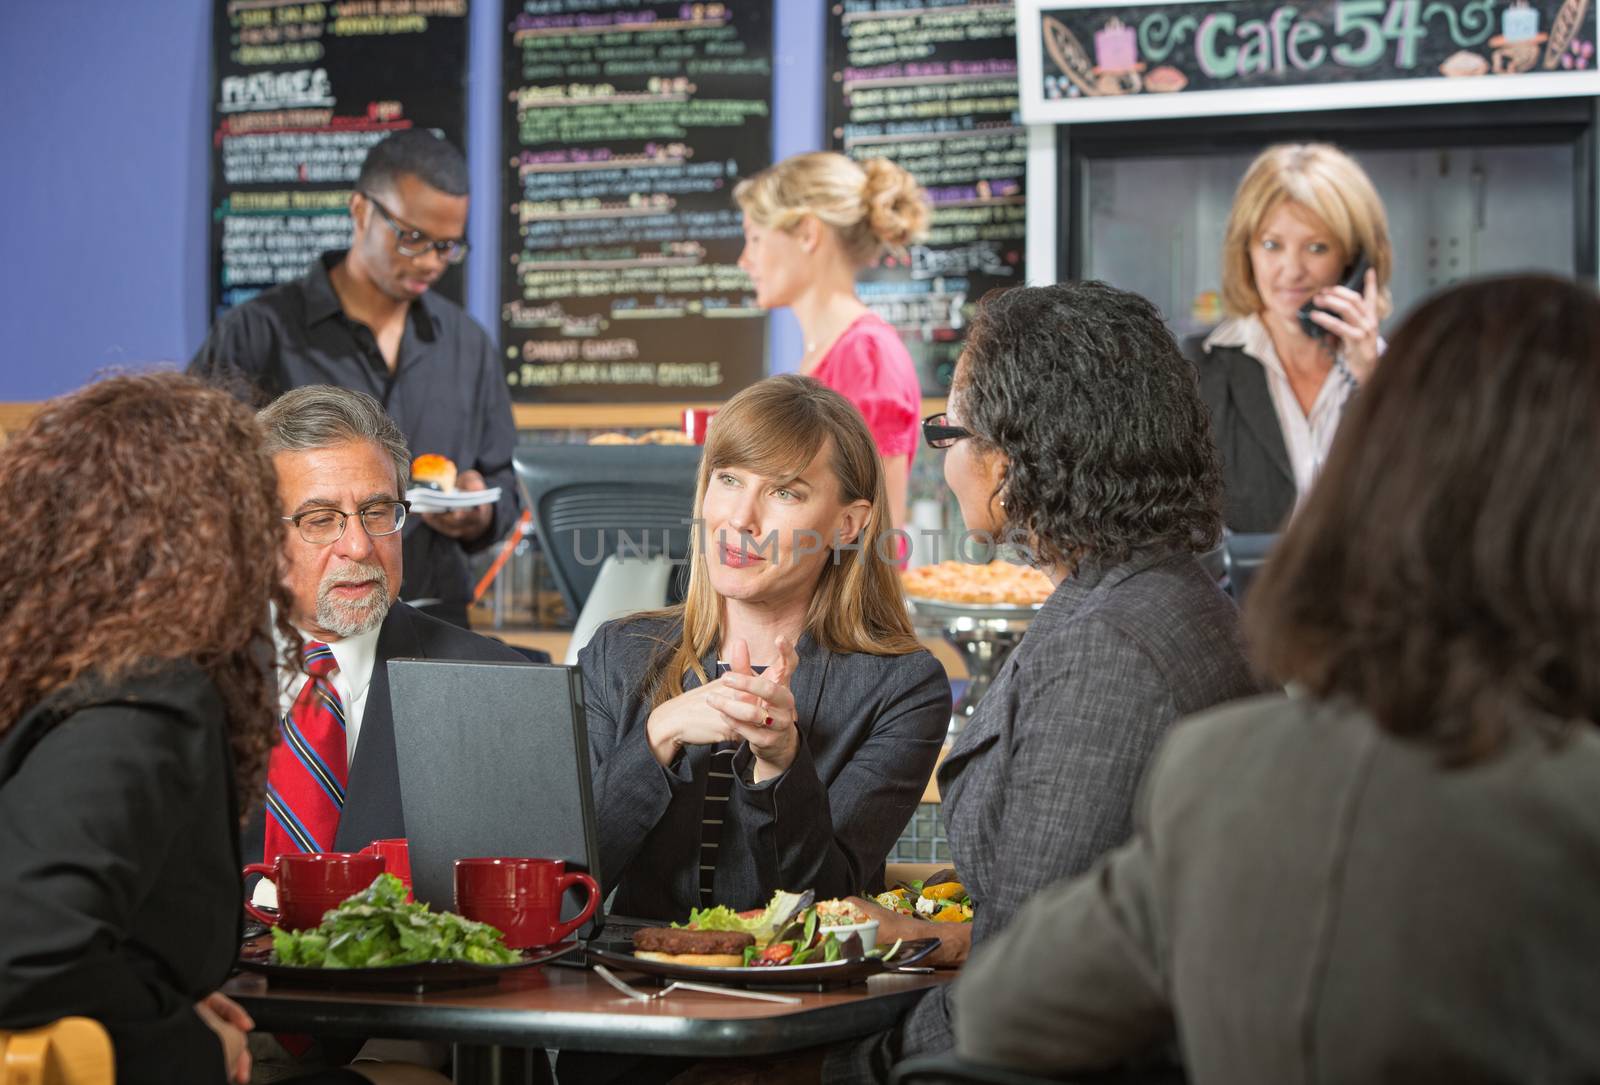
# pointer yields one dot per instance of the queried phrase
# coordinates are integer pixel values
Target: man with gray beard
(332, 782)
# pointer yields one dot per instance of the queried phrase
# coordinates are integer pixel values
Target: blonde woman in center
(776, 729)
(812, 223)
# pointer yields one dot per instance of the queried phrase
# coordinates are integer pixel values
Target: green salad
(376, 928)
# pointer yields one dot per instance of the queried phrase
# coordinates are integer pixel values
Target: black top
(119, 869)
(1258, 482)
(447, 394)
(870, 727)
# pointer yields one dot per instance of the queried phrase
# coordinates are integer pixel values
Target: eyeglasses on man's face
(939, 433)
(413, 242)
(319, 527)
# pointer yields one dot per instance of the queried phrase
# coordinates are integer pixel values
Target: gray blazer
(1042, 781)
(1258, 481)
(1310, 899)
(871, 728)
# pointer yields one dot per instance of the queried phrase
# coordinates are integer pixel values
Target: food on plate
(840, 913)
(434, 472)
(790, 930)
(941, 898)
(998, 582)
(680, 945)
(611, 439)
(376, 928)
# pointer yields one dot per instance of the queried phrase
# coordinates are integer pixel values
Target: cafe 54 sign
(1087, 60)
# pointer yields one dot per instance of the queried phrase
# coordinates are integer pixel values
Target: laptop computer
(493, 759)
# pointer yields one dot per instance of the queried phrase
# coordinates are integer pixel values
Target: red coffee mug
(310, 883)
(396, 853)
(522, 897)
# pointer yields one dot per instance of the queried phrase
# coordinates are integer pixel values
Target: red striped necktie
(308, 769)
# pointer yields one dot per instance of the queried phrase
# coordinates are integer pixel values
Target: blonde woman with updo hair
(1305, 222)
(812, 223)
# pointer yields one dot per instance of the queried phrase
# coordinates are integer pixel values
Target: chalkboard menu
(299, 92)
(934, 88)
(627, 124)
(1085, 60)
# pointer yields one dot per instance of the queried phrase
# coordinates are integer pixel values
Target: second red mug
(310, 883)
(396, 853)
(522, 897)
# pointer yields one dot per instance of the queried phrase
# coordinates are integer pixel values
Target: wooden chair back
(70, 1051)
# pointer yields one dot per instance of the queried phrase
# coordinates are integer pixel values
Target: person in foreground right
(1389, 874)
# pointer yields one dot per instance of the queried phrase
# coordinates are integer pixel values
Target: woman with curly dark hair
(1391, 871)
(1075, 429)
(136, 713)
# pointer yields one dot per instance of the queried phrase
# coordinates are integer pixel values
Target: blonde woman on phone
(812, 223)
(1306, 264)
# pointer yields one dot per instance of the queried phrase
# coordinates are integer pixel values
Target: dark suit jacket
(1041, 781)
(1258, 481)
(1310, 899)
(871, 728)
(119, 868)
(372, 795)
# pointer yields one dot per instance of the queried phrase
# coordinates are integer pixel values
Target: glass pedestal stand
(984, 634)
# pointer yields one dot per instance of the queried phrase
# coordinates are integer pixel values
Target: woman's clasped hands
(739, 706)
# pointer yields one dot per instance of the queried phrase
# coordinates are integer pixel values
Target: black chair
(592, 501)
(1242, 557)
(949, 1069)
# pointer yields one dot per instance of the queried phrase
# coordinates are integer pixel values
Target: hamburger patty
(676, 940)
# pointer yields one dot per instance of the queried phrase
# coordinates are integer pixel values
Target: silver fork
(683, 985)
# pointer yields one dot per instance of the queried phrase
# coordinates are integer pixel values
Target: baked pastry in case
(998, 582)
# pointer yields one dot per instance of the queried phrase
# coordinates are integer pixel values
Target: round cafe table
(501, 1030)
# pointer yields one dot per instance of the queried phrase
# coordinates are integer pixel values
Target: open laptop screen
(494, 761)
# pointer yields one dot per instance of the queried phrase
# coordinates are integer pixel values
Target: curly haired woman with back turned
(137, 709)
(1389, 874)
(1075, 425)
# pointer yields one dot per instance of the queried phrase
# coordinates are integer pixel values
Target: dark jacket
(372, 795)
(871, 728)
(1041, 782)
(1258, 481)
(119, 868)
(1311, 899)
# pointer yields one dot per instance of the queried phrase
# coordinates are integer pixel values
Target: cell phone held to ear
(1355, 278)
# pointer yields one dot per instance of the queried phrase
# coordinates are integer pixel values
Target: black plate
(619, 957)
(427, 976)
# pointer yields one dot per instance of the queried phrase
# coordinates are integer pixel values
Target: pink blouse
(871, 367)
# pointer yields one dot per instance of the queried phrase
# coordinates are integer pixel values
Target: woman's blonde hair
(1326, 182)
(775, 428)
(871, 205)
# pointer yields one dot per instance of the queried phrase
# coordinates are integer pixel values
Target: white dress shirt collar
(1307, 436)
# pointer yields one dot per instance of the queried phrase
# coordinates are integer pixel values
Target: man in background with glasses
(366, 319)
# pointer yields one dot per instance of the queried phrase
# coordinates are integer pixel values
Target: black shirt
(447, 394)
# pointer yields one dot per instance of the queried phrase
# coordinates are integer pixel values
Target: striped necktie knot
(319, 659)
